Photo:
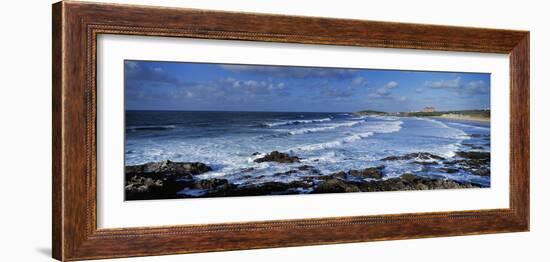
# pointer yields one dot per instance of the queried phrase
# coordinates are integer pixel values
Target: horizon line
(184, 110)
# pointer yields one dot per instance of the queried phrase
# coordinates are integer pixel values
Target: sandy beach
(464, 117)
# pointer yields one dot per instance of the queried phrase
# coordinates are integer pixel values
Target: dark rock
(370, 172)
(144, 188)
(480, 172)
(278, 157)
(335, 186)
(409, 177)
(267, 188)
(472, 146)
(210, 183)
(425, 163)
(417, 156)
(448, 170)
(412, 182)
(246, 170)
(474, 162)
(289, 172)
(160, 180)
(256, 153)
(479, 167)
(305, 167)
(300, 184)
(341, 174)
(474, 154)
(168, 168)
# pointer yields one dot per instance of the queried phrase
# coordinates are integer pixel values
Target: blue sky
(223, 87)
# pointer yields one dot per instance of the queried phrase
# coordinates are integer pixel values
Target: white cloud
(391, 85)
(476, 87)
(359, 81)
(131, 64)
(157, 69)
(291, 71)
(452, 83)
(385, 90)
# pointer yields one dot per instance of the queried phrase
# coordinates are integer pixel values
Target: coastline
(170, 180)
(463, 117)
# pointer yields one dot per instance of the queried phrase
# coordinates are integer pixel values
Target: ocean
(331, 142)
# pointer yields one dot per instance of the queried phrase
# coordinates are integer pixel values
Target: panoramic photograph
(198, 130)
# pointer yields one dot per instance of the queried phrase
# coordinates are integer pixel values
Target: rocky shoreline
(170, 180)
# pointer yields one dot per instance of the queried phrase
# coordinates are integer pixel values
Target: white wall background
(25, 147)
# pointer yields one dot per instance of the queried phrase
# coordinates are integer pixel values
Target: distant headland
(471, 114)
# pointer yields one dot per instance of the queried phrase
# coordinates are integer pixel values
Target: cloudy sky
(222, 87)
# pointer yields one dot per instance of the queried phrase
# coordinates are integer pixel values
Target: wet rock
(278, 157)
(246, 170)
(425, 163)
(300, 184)
(160, 180)
(473, 154)
(416, 156)
(341, 174)
(210, 183)
(289, 172)
(267, 188)
(480, 172)
(335, 186)
(371, 172)
(448, 170)
(475, 162)
(144, 188)
(168, 168)
(479, 167)
(412, 182)
(408, 177)
(305, 167)
(472, 146)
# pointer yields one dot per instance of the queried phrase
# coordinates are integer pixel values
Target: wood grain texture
(57, 196)
(76, 26)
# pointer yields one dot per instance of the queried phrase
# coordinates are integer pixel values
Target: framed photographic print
(195, 131)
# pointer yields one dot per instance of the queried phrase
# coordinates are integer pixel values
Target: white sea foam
(296, 122)
(384, 126)
(389, 118)
(323, 128)
(358, 118)
(470, 126)
(453, 132)
(334, 143)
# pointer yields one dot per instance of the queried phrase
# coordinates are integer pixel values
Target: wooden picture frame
(76, 26)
